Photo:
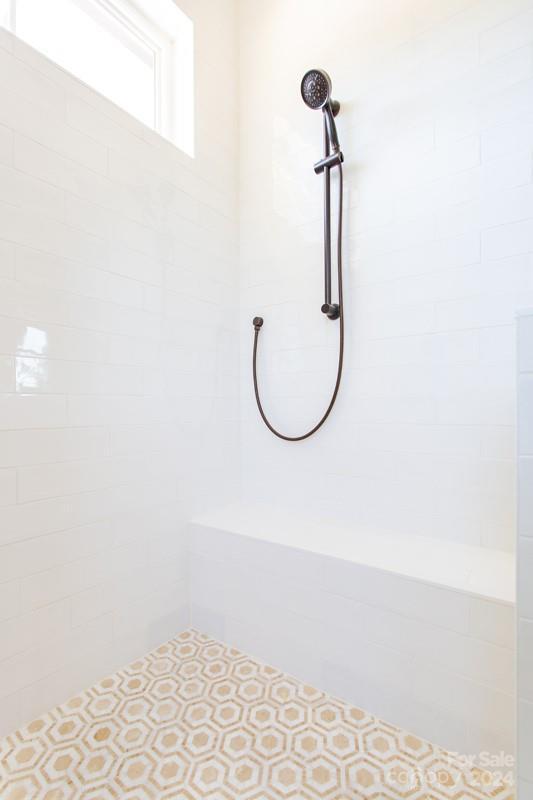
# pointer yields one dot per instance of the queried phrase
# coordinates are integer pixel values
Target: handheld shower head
(316, 93)
(316, 88)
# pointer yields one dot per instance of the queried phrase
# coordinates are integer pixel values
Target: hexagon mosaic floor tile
(197, 719)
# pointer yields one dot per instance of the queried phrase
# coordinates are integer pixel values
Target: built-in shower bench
(478, 571)
(418, 631)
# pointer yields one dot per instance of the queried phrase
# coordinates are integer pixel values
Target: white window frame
(167, 32)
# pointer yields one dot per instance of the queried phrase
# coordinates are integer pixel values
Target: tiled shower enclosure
(140, 493)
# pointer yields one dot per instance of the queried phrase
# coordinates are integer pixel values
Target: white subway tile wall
(525, 555)
(436, 125)
(118, 364)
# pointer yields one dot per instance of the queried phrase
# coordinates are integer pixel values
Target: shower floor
(198, 719)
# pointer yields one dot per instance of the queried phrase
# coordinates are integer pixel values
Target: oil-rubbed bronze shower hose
(258, 322)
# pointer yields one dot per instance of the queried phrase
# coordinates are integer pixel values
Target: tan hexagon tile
(161, 666)
(228, 713)
(80, 702)
(96, 767)
(212, 651)
(381, 744)
(189, 669)
(341, 742)
(133, 685)
(133, 736)
(292, 715)
(170, 772)
(308, 693)
(245, 774)
(135, 709)
(262, 715)
(328, 714)
(165, 711)
(36, 728)
(201, 741)
(192, 689)
(62, 763)
(283, 690)
(223, 690)
(245, 669)
(270, 743)
(322, 776)
(412, 746)
(251, 690)
(163, 687)
(25, 757)
(359, 719)
(66, 729)
(100, 734)
(286, 777)
(199, 713)
(109, 684)
(168, 740)
(309, 743)
(365, 776)
(103, 705)
(237, 742)
(135, 770)
(209, 775)
(197, 720)
(215, 670)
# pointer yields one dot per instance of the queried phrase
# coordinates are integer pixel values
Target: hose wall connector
(331, 310)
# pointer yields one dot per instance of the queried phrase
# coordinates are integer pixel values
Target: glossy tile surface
(119, 358)
(198, 719)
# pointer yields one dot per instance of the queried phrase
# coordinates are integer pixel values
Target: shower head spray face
(316, 94)
(316, 88)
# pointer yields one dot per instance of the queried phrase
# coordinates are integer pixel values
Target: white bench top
(476, 570)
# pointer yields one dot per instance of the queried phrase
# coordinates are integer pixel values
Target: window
(138, 53)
